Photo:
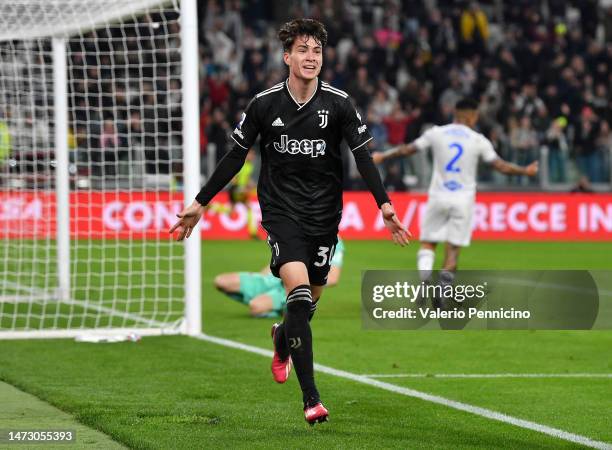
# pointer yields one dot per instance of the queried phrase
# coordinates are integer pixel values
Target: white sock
(425, 262)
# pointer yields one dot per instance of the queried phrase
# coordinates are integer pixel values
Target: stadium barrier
(147, 215)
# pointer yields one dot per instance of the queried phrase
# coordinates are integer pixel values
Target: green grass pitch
(179, 392)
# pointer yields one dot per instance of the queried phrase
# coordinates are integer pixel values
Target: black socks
(280, 342)
(313, 309)
(299, 339)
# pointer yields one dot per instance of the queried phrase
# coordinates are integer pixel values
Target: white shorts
(448, 219)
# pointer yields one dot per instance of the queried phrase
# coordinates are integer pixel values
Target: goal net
(92, 161)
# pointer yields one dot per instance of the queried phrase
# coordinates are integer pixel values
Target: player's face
(305, 58)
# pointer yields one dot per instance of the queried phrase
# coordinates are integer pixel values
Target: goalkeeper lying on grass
(263, 292)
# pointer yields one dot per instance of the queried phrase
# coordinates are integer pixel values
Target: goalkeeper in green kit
(264, 293)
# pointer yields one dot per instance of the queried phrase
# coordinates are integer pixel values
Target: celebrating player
(263, 292)
(456, 150)
(302, 122)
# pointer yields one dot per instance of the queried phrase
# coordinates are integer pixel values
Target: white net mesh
(124, 115)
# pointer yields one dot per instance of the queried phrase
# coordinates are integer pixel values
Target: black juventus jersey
(301, 169)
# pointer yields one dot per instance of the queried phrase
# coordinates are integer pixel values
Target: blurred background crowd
(540, 69)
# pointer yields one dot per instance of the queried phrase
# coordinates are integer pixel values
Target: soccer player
(302, 122)
(263, 292)
(456, 150)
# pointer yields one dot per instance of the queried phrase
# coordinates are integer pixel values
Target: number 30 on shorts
(326, 255)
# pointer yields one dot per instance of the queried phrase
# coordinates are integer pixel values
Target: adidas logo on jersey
(278, 123)
(312, 147)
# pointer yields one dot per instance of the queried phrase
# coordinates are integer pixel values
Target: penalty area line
(476, 410)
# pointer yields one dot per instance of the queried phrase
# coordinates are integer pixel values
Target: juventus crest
(323, 116)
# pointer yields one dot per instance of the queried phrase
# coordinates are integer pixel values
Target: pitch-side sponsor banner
(487, 299)
(524, 216)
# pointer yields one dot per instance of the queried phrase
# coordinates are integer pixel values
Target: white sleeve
(425, 141)
(487, 152)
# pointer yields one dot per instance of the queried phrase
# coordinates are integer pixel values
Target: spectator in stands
(223, 47)
(219, 87)
(397, 123)
(218, 132)
(109, 140)
(556, 142)
(528, 103)
(474, 30)
(524, 141)
(132, 137)
(105, 155)
(453, 92)
(382, 104)
(588, 157)
(393, 180)
(603, 144)
(501, 144)
(377, 129)
(542, 60)
(360, 88)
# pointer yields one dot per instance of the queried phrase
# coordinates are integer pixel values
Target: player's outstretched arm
(229, 166)
(395, 152)
(188, 219)
(370, 175)
(509, 168)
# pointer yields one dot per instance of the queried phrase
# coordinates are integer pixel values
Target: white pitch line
(483, 412)
(487, 375)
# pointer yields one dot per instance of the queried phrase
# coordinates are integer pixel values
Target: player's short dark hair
(466, 104)
(302, 27)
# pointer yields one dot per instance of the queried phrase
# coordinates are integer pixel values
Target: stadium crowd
(540, 70)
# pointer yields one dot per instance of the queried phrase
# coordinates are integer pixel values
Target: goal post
(191, 139)
(99, 149)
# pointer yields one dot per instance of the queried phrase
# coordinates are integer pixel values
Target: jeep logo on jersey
(323, 116)
(313, 147)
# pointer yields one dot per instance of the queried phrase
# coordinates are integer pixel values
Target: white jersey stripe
(329, 86)
(246, 148)
(362, 144)
(269, 91)
(339, 93)
(270, 88)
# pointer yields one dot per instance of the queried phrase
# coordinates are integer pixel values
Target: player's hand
(377, 157)
(189, 218)
(532, 169)
(401, 235)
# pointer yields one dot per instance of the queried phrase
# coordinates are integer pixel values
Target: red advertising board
(505, 216)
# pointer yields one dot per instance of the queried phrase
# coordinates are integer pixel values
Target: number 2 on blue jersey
(450, 167)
